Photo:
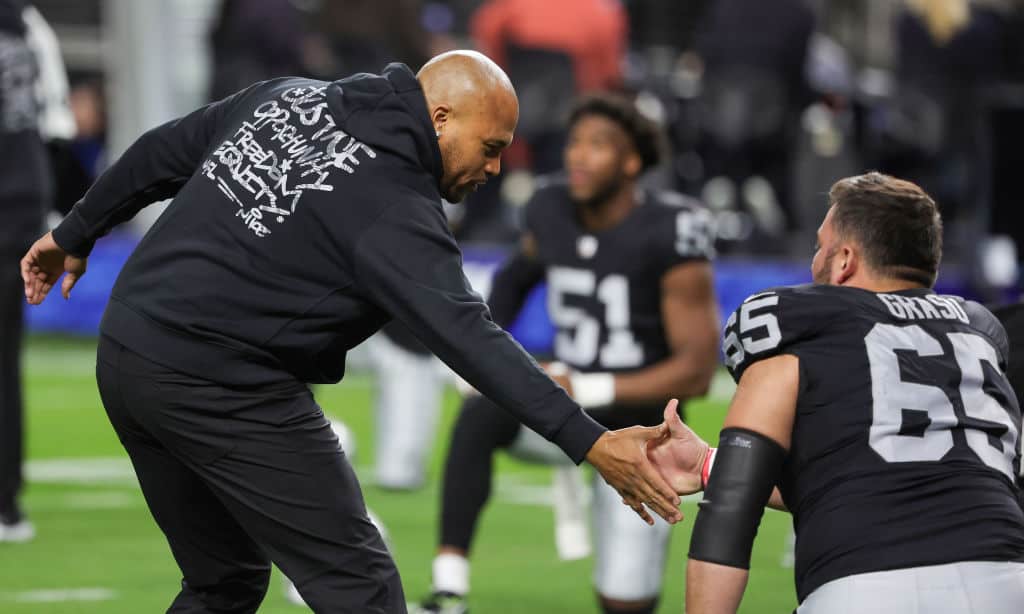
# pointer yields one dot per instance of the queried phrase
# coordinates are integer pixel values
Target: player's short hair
(647, 137)
(896, 223)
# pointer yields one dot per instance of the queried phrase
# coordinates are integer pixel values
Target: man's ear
(846, 263)
(439, 116)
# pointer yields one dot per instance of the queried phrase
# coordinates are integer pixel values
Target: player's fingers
(672, 419)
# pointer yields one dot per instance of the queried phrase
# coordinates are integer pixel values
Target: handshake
(650, 466)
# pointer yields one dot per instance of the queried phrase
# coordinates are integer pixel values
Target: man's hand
(620, 457)
(43, 265)
(679, 457)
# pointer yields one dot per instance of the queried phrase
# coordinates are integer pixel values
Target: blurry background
(766, 104)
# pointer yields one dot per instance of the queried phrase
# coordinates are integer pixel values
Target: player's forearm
(713, 588)
(679, 377)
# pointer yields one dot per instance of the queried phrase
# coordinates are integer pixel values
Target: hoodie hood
(401, 124)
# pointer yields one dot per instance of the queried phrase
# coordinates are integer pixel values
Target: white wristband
(592, 390)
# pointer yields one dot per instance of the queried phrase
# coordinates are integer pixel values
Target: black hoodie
(306, 214)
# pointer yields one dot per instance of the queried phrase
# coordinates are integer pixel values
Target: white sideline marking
(106, 500)
(57, 595)
(81, 470)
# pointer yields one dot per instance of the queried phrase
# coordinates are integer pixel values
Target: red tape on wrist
(705, 471)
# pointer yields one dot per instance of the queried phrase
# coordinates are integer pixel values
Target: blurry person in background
(752, 92)
(949, 53)
(363, 35)
(25, 194)
(549, 62)
(78, 162)
(255, 40)
(1012, 318)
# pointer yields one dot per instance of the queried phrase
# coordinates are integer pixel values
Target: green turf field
(98, 550)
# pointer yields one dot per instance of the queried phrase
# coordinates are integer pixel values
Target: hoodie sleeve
(407, 262)
(154, 168)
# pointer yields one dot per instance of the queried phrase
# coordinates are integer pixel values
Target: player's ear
(847, 263)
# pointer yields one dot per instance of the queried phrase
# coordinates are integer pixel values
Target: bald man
(306, 214)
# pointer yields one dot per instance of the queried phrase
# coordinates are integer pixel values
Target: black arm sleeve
(407, 262)
(512, 283)
(154, 168)
(747, 467)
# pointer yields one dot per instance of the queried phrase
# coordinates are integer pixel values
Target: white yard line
(60, 595)
(99, 470)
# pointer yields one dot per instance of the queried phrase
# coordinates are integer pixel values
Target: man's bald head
(464, 75)
(474, 110)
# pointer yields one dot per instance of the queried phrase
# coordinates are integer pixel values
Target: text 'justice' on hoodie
(305, 215)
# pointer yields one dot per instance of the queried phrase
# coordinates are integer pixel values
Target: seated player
(630, 293)
(882, 412)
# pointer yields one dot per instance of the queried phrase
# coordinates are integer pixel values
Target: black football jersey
(604, 288)
(906, 444)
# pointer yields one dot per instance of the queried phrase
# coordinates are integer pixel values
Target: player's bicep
(689, 310)
(766, 397)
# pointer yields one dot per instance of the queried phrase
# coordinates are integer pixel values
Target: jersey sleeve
(994, 325)
(686, 232)
(539, 211)
(772, 323)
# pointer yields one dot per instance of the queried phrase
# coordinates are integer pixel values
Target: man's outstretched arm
(408, 264)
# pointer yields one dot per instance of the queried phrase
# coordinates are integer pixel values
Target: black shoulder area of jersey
(986, 323)
(777, 320)
(684, 227)
(550, 201)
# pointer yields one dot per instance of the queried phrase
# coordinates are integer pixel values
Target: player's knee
(617, 606)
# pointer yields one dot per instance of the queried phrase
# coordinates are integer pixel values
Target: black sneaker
(441, 602)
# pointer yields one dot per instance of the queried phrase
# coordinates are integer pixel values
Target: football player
(882, 412)
(630, 293)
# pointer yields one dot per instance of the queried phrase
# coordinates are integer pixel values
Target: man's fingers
(69, 282)
(26, 269)
(646, 433)
(658, 495)
(639, 509)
